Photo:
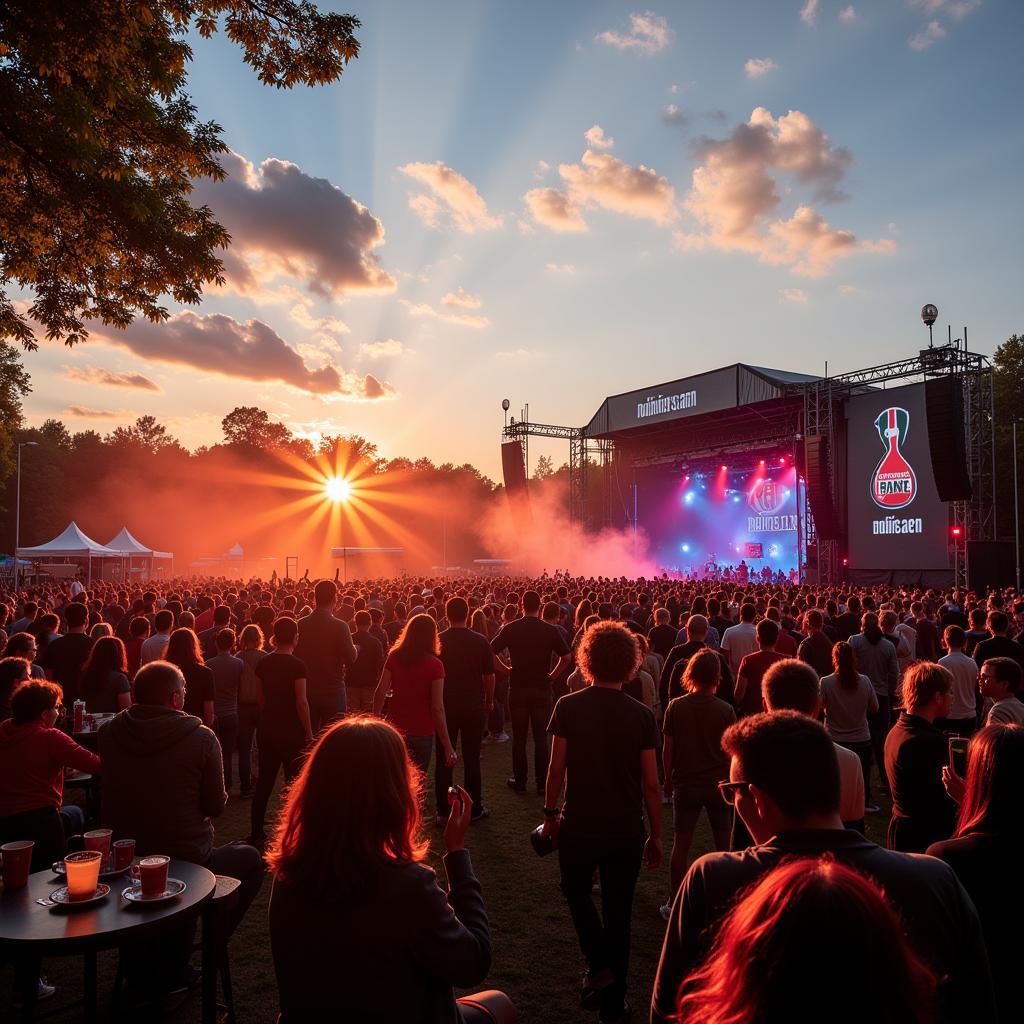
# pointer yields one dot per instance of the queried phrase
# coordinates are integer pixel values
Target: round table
(30, 930)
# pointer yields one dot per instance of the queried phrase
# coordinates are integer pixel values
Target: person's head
(703, 672)
(1000, 678)
(418, 640)
(977, 619)
(106, 655)
(251, 638)
(697, 628)
(221, 615)
(552, 612)
(784, 772)
(608, 654)
(362, 620)
(994, 789)
(748, 612)
(159, 684)
(36, 700)
(224, 640)
(791, 685)
(853, 604)
(456, 611)
(325, 593)
(101, 629)
(21, 645)
(844, 664)
(183, 649)
(285, 632)
(767, 634)
(955, 638)
(870, 628)
(76, 616)
(352, 811)
(769, 963)
(814, 621)
(888, 621)
(926, 690)
(163, 621)
(998, 623)
(531, 602)
(139, 627)
(12, 672)
(662, 616)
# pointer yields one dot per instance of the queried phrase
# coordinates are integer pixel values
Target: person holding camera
(604, 749)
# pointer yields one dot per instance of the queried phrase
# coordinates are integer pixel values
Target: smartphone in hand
(958, 755)
(455, 796)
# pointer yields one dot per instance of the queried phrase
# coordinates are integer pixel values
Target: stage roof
(713, 391)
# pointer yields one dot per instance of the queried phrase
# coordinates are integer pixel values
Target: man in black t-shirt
(530, 643)
(468, 699)
(64, 657)
(605, 751)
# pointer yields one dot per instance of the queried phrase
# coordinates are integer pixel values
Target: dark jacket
(816, 651)
(325, 647)
(162, 781)
(365, 672)
(389, 957)
(941, 921)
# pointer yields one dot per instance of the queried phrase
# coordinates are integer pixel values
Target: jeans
(469, 723)
(325, 709)
(496, 721)
(226, 728)
(241, 861)
(360, 700)
(864, 752)
(248, 720)
(419, 748)
(878, 724)
(531, 709)
(275, 754)
(605, 939)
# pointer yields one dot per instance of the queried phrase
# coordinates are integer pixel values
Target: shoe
(44, 990)
(622, 1018)
(502, 737)
(665, 910)
(591, 987)
(871, 808)
(519, 787)
(480, 812)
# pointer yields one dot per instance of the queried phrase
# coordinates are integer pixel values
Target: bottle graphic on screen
(893, 483)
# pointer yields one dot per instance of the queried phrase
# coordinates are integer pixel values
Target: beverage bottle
(78, 715)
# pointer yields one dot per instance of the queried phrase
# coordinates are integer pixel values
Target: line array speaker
(944, 403)
(819, 494)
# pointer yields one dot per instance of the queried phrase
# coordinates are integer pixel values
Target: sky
(552, 202)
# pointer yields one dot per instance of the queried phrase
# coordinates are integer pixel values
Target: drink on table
(17, 863)
(99, 839)
(124, 853)
(153, 875)
(82, 871)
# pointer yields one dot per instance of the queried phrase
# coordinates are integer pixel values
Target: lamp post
(17, 512)
(1016, 509)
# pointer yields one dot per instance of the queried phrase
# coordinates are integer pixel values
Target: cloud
(86, 413)
(928, 36)
(602, 180)
(758, 66)
(648, 34)
(561, 268)
(554, 209)
(956, 9)
(283, 221)
(424, 309)
(673, 115)
(848, 15)
(848, 289)
(809, 12)
(797, 295)
(518, 354)
(253, 351)
(461, 299)
(387, 349)
(108, 378)
(734, 194)
(541, 170)
(451, 194)
(327, 328)
(597, 139)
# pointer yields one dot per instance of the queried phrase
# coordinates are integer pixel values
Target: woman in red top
(415, 676)
(33, 756)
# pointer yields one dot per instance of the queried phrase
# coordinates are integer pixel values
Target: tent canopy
(71, 543)
(127, 543)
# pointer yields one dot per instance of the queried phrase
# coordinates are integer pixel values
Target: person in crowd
(848, 622)
(414, 676)
(915, 754)
(748, 697)
(985, 849)
(103, 684)
(208, 637)
(741, 639)
(876, 658)
(531, 645)
(138, 633)
(769, 963)
(285, 726)
(162, 784)
(227, 681)
(183, 650)
(468, 699)
(662, 636)
(675, 665)
(604, 752)
(962, 719)
(154, 648)
(99, 630)
(816, 650)
(978, 630)
(23, 645)
(250, 699)
(1000, 682)
(64, 657)
(693, 761)
(848, 699)
(325, 647)
(784, 783)
(998, 645)
(363, 674)
(353, 901)
(12, 672)
(792, 685)
(30, 612)
(33, 756)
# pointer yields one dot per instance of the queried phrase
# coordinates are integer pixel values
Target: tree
(145, 435)
(101, 145)
(1008, 385)
(545, 467)
(247, 426)
(14, 386)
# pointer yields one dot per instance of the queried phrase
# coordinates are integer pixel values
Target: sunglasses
(730, 790)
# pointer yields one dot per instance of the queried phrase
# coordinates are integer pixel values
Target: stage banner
(896, 520)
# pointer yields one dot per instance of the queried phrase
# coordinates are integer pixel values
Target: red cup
(17, 863)
(124, 853)
(153, 875)
(99, 839)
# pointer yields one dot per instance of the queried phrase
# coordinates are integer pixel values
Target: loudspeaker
(819, 494)
(513, 468)
(990, 564)
(944, 404)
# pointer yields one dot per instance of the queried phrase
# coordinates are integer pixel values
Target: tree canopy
(101, 145)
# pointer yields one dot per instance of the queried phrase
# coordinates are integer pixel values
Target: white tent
(134, 549)
(72, 545)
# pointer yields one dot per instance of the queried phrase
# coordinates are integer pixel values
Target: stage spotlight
(736, 498)
(725, 469)
(761, 463)
(782, 462)
(337, 489)
(688, 497)
(685, 548)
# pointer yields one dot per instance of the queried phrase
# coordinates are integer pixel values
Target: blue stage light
(736, 498)
(688, 497)
(685, 547)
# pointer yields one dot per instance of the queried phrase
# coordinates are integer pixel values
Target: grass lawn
(536, 959)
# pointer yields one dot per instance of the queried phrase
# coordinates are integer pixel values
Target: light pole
(1016, 509)
(17, 512)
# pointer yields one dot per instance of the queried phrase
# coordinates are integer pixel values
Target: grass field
(536, 959)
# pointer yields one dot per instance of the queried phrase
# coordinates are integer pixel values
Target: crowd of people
(785, 714)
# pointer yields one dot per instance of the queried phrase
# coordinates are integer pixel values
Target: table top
(23, 922)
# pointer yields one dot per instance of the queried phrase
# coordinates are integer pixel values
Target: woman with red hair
(359, 928)
(813, 940)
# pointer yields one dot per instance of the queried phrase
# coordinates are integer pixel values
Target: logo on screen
(765, 497)
(893, 483)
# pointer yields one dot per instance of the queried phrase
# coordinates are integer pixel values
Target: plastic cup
(17, 863)
(82, 872)
(99, 839)
(153, 875)
(124, 853)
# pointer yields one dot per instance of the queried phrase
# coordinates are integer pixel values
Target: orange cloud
(109, 378)
(648, 34)
(554, 209)
(451, 195)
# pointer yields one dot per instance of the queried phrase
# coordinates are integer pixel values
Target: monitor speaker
(944, 403)
(819, 494)
(513, 468)
(990, 565)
